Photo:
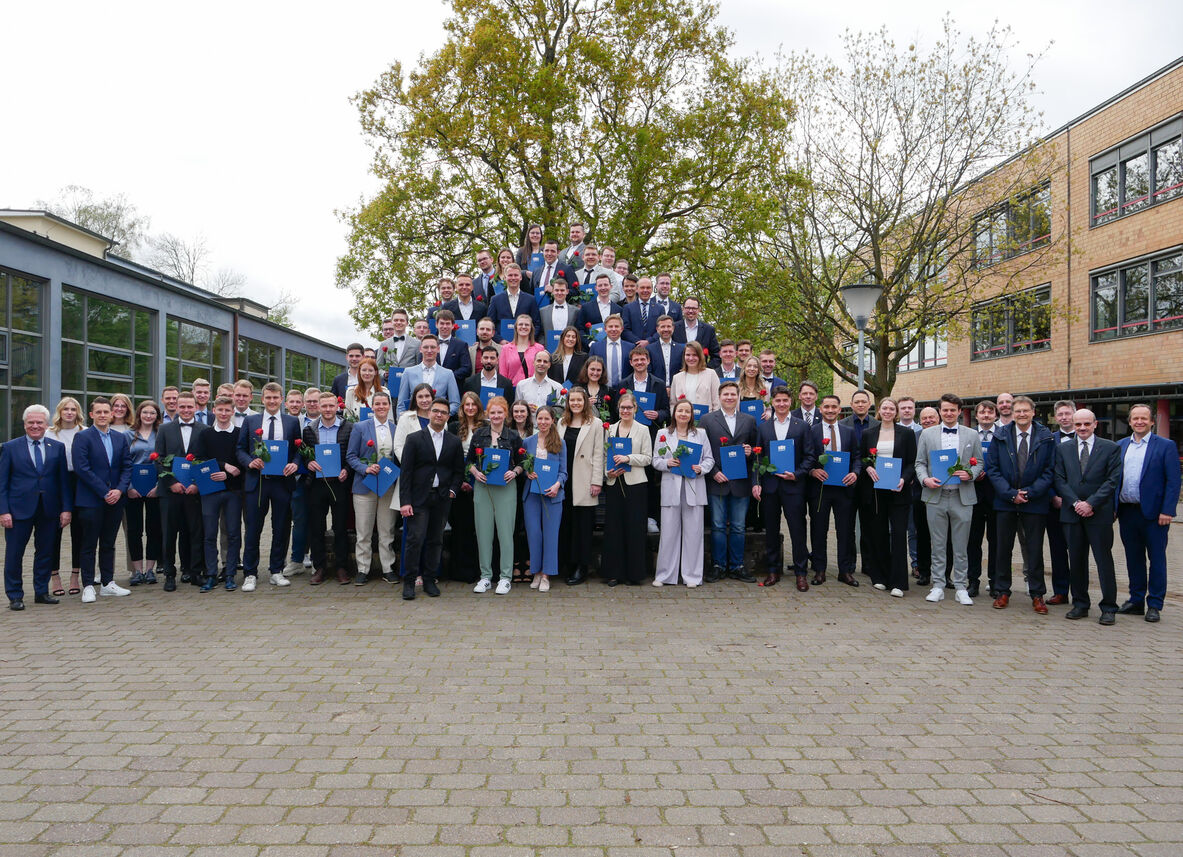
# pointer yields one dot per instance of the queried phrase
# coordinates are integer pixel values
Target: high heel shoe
(55, 582)
(75, 583)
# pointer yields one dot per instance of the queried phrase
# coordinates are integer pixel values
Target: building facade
(80, 321)
(1102, 323)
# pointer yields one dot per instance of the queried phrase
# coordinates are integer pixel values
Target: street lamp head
(860, 301)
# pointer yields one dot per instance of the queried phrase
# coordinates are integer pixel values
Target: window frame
(1150, 324)
(1011, 310)
(1001, 217)
(1148, 143)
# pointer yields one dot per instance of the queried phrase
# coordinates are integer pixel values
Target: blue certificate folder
(381, 482)
(734, 465)
(394, 379)
(183, 471)
(365, 413)
(466, 330)
(645, 402)
(939, 462)
(889, 470)
(499, 458)
(488, 393)
(202, 477)
(597, 332)
(143, 478)
(754, 408)
(619, 446)
(700, 411)
(548, 474)
(837, 468)
(328, 456)
(279, 457)
(783, 455)
(507, 329)
(688, 459)
(552, 340)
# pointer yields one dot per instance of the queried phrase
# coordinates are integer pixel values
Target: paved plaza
(587, 722)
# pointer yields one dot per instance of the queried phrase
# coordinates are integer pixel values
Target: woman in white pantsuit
(682, 501)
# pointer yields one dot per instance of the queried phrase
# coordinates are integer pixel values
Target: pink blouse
(511, 365)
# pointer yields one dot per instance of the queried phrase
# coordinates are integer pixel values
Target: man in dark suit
(690, 328)
(180, 506)
(348, 378)
(261, 493)
(102, 463)
(482, 279)
(829, 436)
(665, 355)
(728, 498)
(1020, 467)
(985, 521)
(34, 501)
(447, 291)
(489, 376)
(453, 352)
(641, 380)
(784, 492)
(1057, 543)
(221, 511)
(552, 269)
(1088, 471)
(864, 500)
(598, 310)
(432, 470)
(640, 316)
(560, 313)
(613, 349)
(332, 492)
(1147, 499)
(662, 285)
(465, 305)
(514, 302)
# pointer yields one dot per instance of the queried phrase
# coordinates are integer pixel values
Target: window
(928, 352)
(329, 371)
(106, 348)
(850, 349)
(1137, 174)
(193, 351)
(1141, 297)
(300, 371)
(1013, 228)
(21, 360)
(1015, 324)
(259, 363)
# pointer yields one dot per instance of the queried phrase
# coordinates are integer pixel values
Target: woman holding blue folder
(495, 507)
(683, 499)
(891, 500)
(543, 507)
(583, 435)
(630, 451)
(142, 512)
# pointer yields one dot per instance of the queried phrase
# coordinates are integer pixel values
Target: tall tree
(633, 118)
(111, 216)
(904, 152)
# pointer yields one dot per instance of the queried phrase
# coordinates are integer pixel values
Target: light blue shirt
(33, 455)
(105, 437)
(1131, 476)
(328, 434)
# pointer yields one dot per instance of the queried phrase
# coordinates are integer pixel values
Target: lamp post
(860, 301)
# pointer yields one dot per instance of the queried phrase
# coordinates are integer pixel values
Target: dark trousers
(143, 519)
(1144, 540)
(425, 536)
(100, 530)
(300, 534)
(840, 503)
(227, 506)
(889, 542)
(1057, 544)
(864, 511)
(320, 503)
(272, 493)
(792, 506)
(75, 533)
(181, 513)
(1028, 525)
(575, 536)
(625, 531)
(983, 524)
(44, 529)
(923, 539)
(1095, 533)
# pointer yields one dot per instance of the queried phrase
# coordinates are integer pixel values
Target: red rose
(757, 449)
(298, 442)
(587, 324)
(340, 402)
(607, 398)
(973, 462)
(681, 396)
(576, 253)
(826, 441)
(874, 450)
(369, 443)
(607, 425)
(189, 457)
(480, 298)
(622, 391)
(763, 392)
(563, 391)
(521, 450)
(723, 439)
(154, 456)
(259, 432)
(384, 348)
(433, 391)
(480, 450)
(706, 352)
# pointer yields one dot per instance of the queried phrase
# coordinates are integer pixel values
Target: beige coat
(640, 458)
(707, 387)
(588, 468)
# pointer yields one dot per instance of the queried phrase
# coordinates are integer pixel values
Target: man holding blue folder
(219, 443)
(728, 496)
(329, 488)
(102, 462)
(653, 410)
(826, 497)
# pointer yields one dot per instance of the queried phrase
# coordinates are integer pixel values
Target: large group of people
(512, 422)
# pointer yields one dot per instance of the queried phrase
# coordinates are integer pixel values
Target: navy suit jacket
(1038, 477)
(499, 309)
(803, 451)
(565, 272)
(589, 313)
(1159, 489)
(706, 337)
(96, 475)
(657, 358)
(21, 484)
(600, 349)
(846, 439)
(482, 286)
(247, 438)
(480, 309)
(458, 360)
(661, 405)
(675, 311)
(631, 313)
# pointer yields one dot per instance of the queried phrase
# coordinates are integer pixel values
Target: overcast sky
(233, 121)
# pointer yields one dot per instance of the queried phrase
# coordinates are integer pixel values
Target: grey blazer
(969, 445)
(410, 352)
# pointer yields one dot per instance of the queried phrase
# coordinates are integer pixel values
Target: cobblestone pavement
(627, 722)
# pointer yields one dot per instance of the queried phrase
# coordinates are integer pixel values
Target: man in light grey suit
(402, 349)
(950, 504)
(591, 269)
(573, 255)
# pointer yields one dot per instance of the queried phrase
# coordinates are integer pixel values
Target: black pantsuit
(832, 499)
(625, 531)
(463, 564)
(425, 535)
(1057, 543)
(983, 524)
(75, 533)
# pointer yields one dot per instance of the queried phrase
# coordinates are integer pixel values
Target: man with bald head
(1088, 470)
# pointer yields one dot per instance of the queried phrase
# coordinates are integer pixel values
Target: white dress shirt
(834, 437)
(437, 440)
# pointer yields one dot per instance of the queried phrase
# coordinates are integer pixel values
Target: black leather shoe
(742, 575)
(16, 605)
(186, 577)
(611, 581)
(713, 574)
(847, 578)
(170, 583)
(409, 589)
(1107, 618)
(430, 588)
(578, 576)
(45, 599)
(819, 577)
(1081, 612)
(360, 579)
(1131, 609)
(1152, 614)
(924, 580)
(972, 589)
(390, 577)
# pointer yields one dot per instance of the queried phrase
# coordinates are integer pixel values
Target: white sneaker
(653, 530)
(881, 587)
(503, 586)
(536, 581)
(308, 560)
(483, 586)
(937, 594)
(294, 567)
(544, 584)
(280, 580)
(88, 595)
(897, 593)
(963, 598)
(114, 589)
(658, 583)
(691, 585)
(248, 583)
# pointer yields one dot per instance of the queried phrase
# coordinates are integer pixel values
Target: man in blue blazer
(551, 270)
(267, 492)
(34, 501)
(428, 371)
(102, 463)
(453, 352)
(513, 302)
(658, 365)
(1146, 502)
(691, 328)
(640, 316)
(373, 439)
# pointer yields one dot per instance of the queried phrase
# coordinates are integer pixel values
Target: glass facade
(22, 373)
(106, 348)
(258, 363)
(1144, 297)
(300, 371)
(1013, 228)
(1141, 172)
(193, 351)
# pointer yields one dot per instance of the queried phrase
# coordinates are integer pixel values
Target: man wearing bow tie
(401, 349)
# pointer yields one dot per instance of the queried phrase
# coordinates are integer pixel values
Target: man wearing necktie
(201, 396)
(34, 501)
(180, 506)
(1057, 540)
(102, 463)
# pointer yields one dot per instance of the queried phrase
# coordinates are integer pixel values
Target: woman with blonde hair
(543, 509)
(627, 496)
(517, 355)
(67, 423)
(122, 413)
(683, 499)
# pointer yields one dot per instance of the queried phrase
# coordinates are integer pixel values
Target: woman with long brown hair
(583, 438)
(543, 508)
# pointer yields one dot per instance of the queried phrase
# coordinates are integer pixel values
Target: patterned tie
(1084, 456)
(1023, 451)
(645, 313)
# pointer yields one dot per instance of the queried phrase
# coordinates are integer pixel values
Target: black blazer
(715, 425)
(420, 467)
(804, 451)
(458, 360)
(480, 309)
(846, 439)
(168, 442)
(483, 437)
(556, 368)
(904, 449)
(1097, 486)
(311, 439)
(473, 385)
(662, 405)
(706, 337)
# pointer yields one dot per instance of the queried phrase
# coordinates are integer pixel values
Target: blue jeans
(299, 523)
(727, 521)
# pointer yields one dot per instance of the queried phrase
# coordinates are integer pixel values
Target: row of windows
(1139, 173)
(1013, 228)
(928, 353)
(1014, 324)
(1139, 298)
(20, 347)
